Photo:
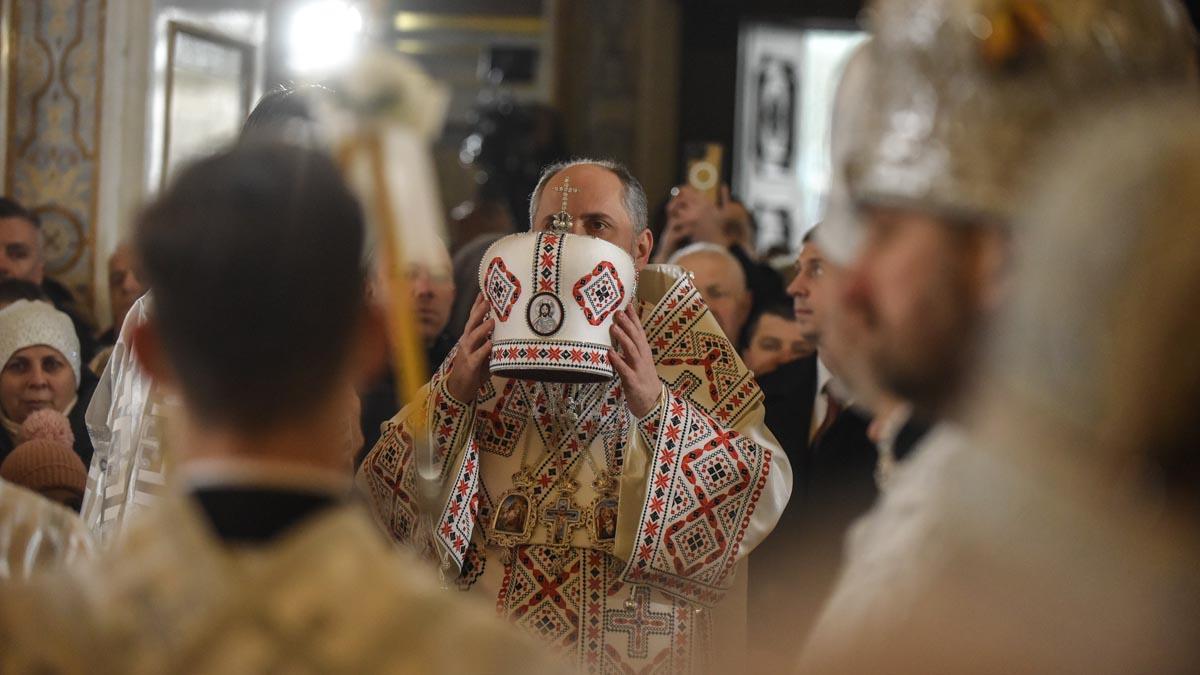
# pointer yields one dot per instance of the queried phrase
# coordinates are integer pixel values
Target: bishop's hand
(634, 362)
(470, 367)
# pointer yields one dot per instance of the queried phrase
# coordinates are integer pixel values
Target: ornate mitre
(964, 90)
(553, 296)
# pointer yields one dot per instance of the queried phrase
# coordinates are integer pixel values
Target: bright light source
(322, 35)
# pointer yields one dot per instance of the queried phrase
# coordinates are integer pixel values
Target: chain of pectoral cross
(575, 438)
(563, 515)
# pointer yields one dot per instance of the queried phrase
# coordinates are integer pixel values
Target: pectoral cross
(562, 518)
(563, 220)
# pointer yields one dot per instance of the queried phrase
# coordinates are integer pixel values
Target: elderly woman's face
(34, 378)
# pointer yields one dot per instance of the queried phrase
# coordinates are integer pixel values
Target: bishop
(614, 535)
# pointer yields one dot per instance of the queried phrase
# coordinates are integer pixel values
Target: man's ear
(147, 349)
(643, 245)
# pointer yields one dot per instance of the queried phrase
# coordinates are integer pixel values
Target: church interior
(674, 336)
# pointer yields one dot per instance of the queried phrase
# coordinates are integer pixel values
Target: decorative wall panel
(55, 86)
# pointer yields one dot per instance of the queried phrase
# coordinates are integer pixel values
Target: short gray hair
(713, 251)
(633, 196)
(701, 247)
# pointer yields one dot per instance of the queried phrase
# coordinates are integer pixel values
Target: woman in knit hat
(41, 370)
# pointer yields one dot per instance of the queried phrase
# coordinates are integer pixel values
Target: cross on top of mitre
(562, 220)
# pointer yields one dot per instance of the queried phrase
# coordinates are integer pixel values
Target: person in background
(692, 217)
(741, 228)
(774, 338)
(432, 296)
(124, 286)
(41, 486)
(23, 256)
(433, 288)
(794, 570)
(719, 278)
(41, 370)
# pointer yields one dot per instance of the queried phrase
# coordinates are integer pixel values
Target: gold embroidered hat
(964, 90)
(553, 295)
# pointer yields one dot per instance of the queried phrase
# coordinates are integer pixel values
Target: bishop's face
(597, 209)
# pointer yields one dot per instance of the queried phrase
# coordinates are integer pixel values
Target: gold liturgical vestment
(36, 534)
(329, 596)
(630, 574)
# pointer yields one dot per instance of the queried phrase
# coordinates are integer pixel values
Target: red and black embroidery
(503, 288)
(599, 293)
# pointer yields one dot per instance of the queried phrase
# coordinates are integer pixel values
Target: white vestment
(124, 419)
(974, 562)
(701, 483)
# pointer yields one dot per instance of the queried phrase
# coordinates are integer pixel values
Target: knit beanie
(46, 458)
(28, 323)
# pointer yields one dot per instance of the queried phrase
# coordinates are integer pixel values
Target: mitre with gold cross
(553, 295)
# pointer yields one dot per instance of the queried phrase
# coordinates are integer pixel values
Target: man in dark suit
(815, 418)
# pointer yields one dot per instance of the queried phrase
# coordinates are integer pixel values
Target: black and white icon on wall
(775, 98)
(545, 314)
(774, 226)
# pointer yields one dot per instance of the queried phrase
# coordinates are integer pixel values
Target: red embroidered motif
(503, 288)
(457, 522)
(639, 622)
(499, 427)
(676, 340)
(697, 487)
(582, 612)
(392, 485)
(545, 263)
(540, 601)
(551, 355)
(599, 293)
